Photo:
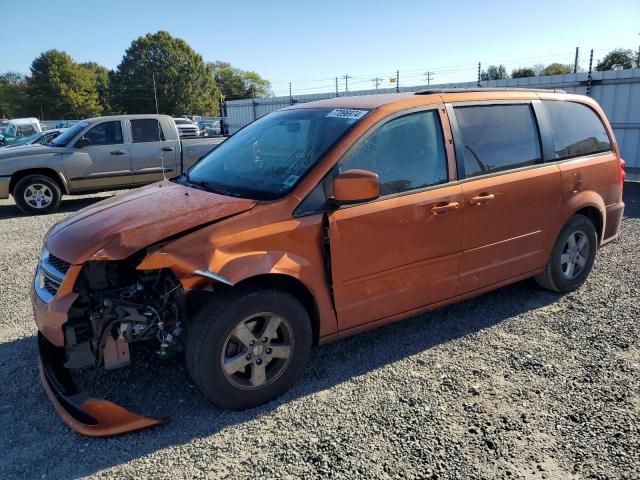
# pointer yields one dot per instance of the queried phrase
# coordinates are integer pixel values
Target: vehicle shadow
(163, 388)
(69, 205)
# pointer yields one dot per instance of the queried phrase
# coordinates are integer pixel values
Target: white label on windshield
(291, 180)
(347, 113)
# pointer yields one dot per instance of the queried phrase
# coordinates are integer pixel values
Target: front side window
(146, 130)
(105, 133)
(268, 157)
(577, 130)
(407, 153)
(497, 137)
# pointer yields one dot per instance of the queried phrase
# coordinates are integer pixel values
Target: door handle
(167, 149)
(118, 152)
(481, 199)
(444, 207)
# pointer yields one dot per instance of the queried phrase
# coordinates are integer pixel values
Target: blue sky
(310, 43)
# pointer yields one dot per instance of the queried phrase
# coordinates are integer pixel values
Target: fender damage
(101, 302)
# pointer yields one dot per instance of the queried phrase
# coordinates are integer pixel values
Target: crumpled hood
(122, 225)
(12, 152)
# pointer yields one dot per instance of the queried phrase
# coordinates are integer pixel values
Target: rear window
(497, 138)
(577, 130)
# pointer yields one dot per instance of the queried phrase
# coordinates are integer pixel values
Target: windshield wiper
(212, 187)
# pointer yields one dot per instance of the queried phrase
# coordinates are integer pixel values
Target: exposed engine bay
(119, 305)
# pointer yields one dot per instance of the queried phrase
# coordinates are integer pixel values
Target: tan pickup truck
(97, 154)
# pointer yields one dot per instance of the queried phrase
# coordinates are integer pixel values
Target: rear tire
(572, 256)
(37, 195)
(249, 346)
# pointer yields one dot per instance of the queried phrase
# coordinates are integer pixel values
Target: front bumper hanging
(89, 416)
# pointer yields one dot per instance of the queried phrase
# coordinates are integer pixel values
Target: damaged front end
(115, 306)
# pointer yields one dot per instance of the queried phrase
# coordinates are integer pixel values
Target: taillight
(623, 173)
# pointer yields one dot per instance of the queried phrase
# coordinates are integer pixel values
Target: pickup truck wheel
(572, 257)
(37, 194)
(248, 347)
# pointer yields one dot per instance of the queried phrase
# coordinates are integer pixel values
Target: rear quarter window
(577, 130)
(498, 137)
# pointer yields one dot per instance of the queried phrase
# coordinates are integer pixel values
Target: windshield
(26, 140)
(183, 121)
(266, 159)
(65, 137)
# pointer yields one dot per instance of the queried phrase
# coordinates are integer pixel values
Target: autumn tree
(237, 83)
(184, 83)
(494, 72)
(618, 59)
(523, 72)
(60, 88)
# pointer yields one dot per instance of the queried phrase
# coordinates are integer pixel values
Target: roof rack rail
(436, 91)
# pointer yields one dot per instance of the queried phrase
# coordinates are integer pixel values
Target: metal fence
(617, 91)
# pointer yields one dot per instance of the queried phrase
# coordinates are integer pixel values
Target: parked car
(209, 128)
(186, 128)
(19, 128)
(38, 138)
(3, 125)
(320, 221)
(97, 154)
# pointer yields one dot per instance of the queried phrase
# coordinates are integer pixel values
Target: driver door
(104, 163)
(401, 251)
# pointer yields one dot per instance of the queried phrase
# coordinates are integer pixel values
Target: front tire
(37, 195)
(572, 257)
(248, 347)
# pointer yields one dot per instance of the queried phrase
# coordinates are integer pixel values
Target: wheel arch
(288, 284)
(591, 205)
(47, 172)
(595, 215)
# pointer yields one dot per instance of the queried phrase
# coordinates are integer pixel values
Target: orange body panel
(511, 231)
(372, 280)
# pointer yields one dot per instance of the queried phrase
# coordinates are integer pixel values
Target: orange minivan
(319, 221)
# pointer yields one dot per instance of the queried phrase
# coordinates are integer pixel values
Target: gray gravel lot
(518, 383)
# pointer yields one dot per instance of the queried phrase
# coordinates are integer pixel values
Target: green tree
(494, 72)
(60, 88)
(618, 59)
(556, 69)
(101, 77)
(184, 83)
(523, 72)
(13, 93)
(237, 83)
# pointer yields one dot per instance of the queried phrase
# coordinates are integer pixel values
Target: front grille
(51, 286)
(50, 275)
(59, 264)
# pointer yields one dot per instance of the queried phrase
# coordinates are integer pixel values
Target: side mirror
(83, 142)
(355, 186)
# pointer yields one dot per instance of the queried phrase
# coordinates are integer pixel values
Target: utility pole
(428, 74)
(337, 93)
(290, 96)
(346, 77)
(575, 62)
(479, 67)
(397, 80)
(377, 81)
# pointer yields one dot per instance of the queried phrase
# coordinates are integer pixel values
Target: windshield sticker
(291, 180)
(347, 113)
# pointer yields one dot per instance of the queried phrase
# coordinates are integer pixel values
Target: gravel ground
(519, 383)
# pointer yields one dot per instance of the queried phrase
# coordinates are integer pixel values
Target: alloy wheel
(257, 351)
(38, 195)
(575, 254)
